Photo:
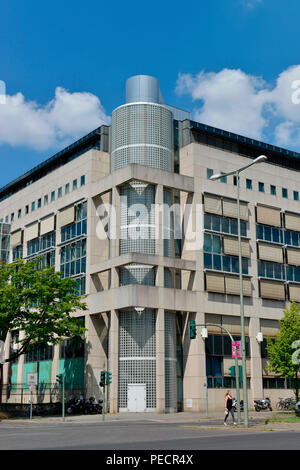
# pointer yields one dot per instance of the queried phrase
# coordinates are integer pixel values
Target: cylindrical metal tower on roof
(142, 128)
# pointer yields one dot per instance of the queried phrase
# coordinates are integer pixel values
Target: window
(74, 185)
(19, 213)
(73, 259)
(273, 190)
(71, 348)
(79, 227)
(67, 188)
(6, 219)
(59, 192)
(53, 196)
(234, 180)
(214, 257)
(284, 192)
(26, 209)
(209, 173)
(39, 203)
(33, 206)
(12, 217)
(218, 223)
(261, 187)
(296, 195)
(36, 355)
(249, 184)
(17, 252)
(269, 234)
(46, 200)
(82, 180)
(224, 178)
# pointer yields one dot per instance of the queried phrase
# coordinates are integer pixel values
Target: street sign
(32, 388)
(236, 349)
(31, 379)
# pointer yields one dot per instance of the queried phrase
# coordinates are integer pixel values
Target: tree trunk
(296, 386)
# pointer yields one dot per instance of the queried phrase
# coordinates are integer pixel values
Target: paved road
(140, 435)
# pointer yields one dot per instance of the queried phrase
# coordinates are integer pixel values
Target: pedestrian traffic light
(108, 378)
(232, 371)
(102, 379)
(193, 329)
(59, 378)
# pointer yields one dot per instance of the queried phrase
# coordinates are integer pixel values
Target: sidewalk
(257, 421)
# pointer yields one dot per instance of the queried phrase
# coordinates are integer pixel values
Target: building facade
(129, 211)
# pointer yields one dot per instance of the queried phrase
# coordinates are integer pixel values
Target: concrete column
(95, 352)
(159, 199)
(114, 278)
(160, 361)
(255, 361)
(115, 223)
(114, 360)
(194, 367)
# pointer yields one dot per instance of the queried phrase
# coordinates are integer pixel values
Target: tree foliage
(39, 302)
(281, 351)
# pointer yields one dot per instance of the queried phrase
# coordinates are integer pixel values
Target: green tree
(39, 302)
(281, 350)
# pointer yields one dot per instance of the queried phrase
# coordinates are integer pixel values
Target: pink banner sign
(236, 349)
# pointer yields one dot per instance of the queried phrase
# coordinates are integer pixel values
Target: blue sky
(232, 63)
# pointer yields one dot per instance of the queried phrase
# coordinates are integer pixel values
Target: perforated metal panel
(137, 274)
(170, 362)
(137, 354)
(142, 133)
(137, 224)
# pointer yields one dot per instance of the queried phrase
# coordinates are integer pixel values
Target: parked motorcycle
(81, 405)
(76, 405)
(264, 404)
(234, 404)
(91, 406)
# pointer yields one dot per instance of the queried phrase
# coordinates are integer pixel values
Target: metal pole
(103, 405)
(237, 379)
(63, 396)
(236, 370)
(244, 367)
(31, 400)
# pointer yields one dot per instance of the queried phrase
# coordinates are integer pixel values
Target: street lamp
(236, 173)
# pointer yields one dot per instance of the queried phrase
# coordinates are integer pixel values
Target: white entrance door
(136, 397)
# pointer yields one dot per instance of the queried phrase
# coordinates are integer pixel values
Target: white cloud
(232, 100)
(67, 117)
(247, 105)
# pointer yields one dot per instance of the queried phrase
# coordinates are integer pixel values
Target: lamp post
(236, 173)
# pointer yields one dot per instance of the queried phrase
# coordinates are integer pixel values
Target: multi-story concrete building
(109, 209)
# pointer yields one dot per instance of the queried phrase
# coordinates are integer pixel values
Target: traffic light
(193, 329)
(232, 371)
(59, 379)
(102, 379)
(108, 378)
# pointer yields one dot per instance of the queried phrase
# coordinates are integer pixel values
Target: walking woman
(228, 407)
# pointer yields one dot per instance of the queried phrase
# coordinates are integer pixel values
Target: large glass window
(228, 225)
(214, 257)
(269, 234)
(79, 227)
(17, 252)
(35, 355)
